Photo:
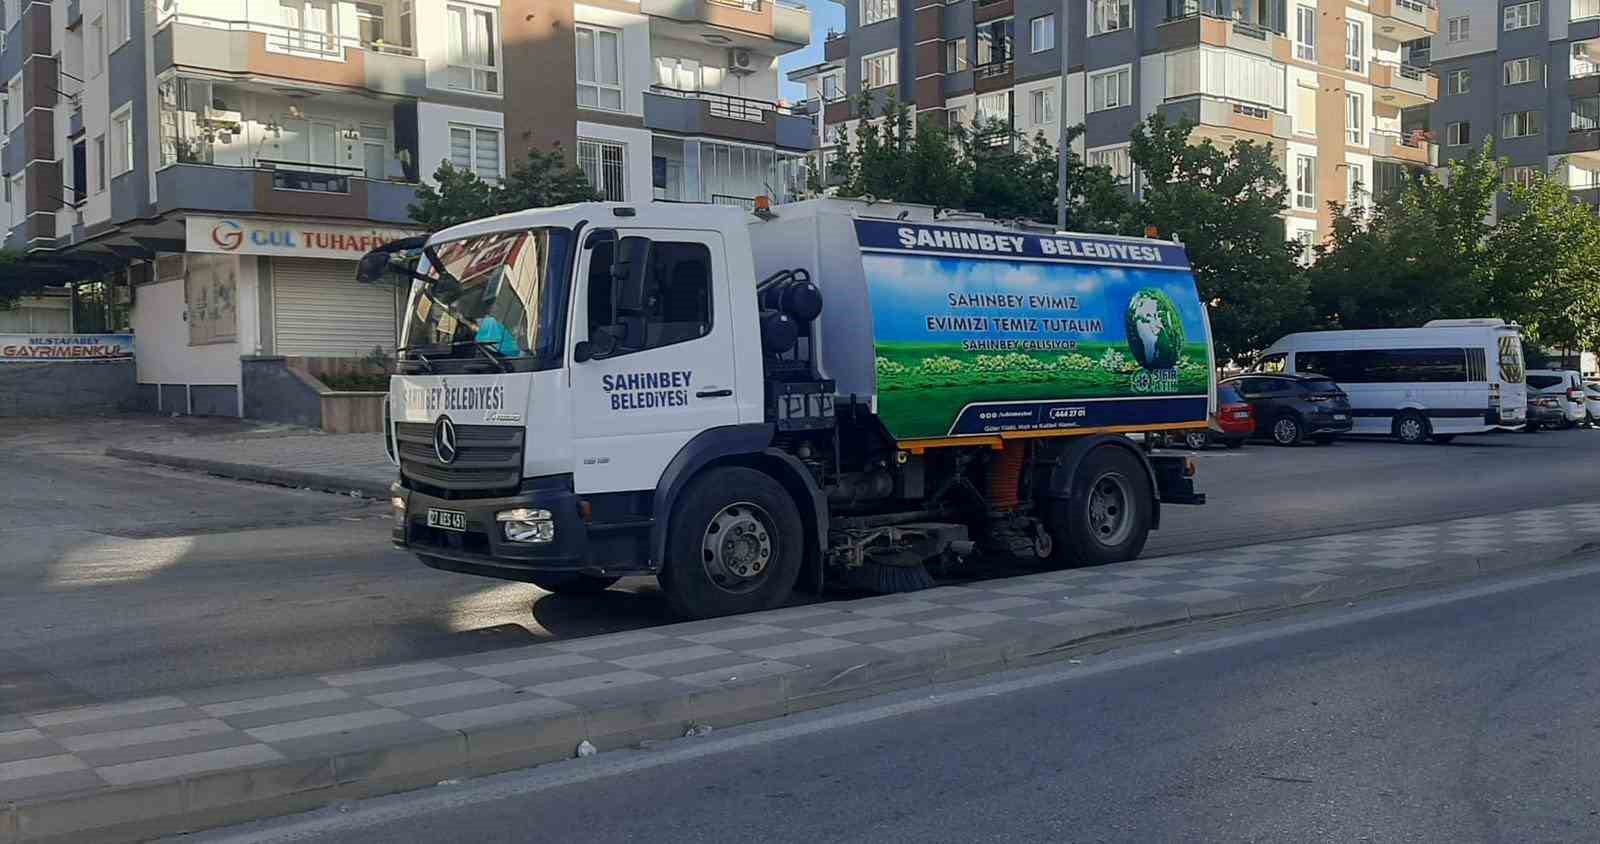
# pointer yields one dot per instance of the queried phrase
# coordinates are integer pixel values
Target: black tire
(572, 583)
(1443, 439)
(758, 573)
(1078, 524)
(1236, 442)
(1196, 440)
(1324, 439)
(1412, 428)
(1531, 428)
(1286, 430)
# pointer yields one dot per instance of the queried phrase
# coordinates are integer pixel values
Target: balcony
(836, 48)
(1404, 20)
(995, 76)
(991, 10)
(1193, 22)
(784, 21)
(1225, 121)
(1404, 86)
(718, 115)
(1583, 136)
(294, 189)
(1410, 147)
(252, 48)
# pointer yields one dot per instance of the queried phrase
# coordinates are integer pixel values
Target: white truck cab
(737, 402)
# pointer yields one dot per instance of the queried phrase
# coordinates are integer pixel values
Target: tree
(1544, 270)
(1420, 254)
(1225, 206)
(543, 180)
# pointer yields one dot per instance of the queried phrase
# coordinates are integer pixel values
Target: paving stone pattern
(807, 648)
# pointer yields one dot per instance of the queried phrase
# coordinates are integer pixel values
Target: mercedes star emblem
(444, 440)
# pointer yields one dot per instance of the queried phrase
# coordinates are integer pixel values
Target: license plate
(1339, 417)
(447, 519)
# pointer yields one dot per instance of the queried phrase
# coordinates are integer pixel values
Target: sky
(825, 15)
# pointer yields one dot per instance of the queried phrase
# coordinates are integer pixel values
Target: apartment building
(209, 171)
(1528, 75)
(1329, 83)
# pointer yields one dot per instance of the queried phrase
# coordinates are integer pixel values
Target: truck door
(671, 374)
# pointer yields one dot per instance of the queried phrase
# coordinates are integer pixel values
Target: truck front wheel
(1106, 518)
(734, 545)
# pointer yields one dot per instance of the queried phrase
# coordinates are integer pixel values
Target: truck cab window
(677, 297)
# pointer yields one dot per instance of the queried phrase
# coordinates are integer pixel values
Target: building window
(122, 141)
(375, 151)
(1305, 33)
(1043, 105)
(1110, 16)
(369, 23)
(1306, 240)
(1305, 182)
(1522, 16)
(1523, 175)
(1111, 89)
(1524, 70)
(955, 116)
(604, 162)
(1521, 124)
(1585, 114)
(100, 164)
(476, 149)
(1458, 134)
(832, 87)
(1305, 110)
(1355, 176)
(955, 55)
(874, 11)
(1458, 82)
(117, 24)
(1042, 33)
(94, 48)
(1354, 43)
(1458, 29)
(474, 42)
(994, 42)
(880, 70)
(1116, 159)
(1355, 113)
(14, 111)
(19, 200)
(994, 108)
(599, 68)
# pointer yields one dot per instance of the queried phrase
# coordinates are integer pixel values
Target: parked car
(1591, 401)
(1565, 385)
(1545, 411)
(1233, 424)
(1289, 409)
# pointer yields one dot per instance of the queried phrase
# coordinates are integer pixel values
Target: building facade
(210, 170)
(1331, 84)
(1526, 74)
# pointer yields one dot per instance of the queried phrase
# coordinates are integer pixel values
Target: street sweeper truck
(738, 403)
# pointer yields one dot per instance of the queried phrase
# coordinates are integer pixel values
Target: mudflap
(1175, 480)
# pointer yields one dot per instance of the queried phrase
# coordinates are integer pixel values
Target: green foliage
(543, 180)
(11, 286)
(1418, 255)
(1225, 206)
(1544, 267)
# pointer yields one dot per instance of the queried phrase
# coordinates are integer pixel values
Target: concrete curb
(298, 478)
(198, 802)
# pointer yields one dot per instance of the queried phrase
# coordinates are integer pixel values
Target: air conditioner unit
(740, 63)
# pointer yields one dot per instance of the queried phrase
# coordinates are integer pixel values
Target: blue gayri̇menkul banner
(65, 347)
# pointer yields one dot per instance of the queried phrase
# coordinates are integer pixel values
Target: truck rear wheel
(1106, 519)
(734, 545)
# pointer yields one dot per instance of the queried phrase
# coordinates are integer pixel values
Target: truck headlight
(397, 506)
(525, 525)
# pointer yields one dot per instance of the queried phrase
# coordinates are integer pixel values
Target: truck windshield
(503, 294)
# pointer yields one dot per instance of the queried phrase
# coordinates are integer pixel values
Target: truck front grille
(488, 459)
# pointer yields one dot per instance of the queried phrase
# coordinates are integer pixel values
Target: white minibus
(1449, 377)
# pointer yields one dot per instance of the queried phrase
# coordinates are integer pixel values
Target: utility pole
(1062, 41)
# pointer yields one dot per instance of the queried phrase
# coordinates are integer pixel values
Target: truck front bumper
(482, 547)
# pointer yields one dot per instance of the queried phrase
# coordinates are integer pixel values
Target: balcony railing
(747, 5)
(727, 105)
(296, 41)
(991, 70)
(1421, 7)
(1228, 10)
(1585, 115)
(310, 176)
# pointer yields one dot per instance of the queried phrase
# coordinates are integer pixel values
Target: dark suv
(1292, 408)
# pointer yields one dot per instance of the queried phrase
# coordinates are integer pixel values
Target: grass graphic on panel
(923, 382)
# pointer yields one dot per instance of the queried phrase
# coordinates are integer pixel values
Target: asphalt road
(1465, 716)
(118, 579)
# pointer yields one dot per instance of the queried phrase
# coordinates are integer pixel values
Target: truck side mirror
(374, 265)
(629, 264)
(599, 345)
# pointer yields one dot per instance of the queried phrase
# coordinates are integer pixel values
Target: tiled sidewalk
(514, 707)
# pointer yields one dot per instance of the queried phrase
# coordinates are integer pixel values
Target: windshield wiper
(486, 349)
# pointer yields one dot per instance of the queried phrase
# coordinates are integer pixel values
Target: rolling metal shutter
(320, 310)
